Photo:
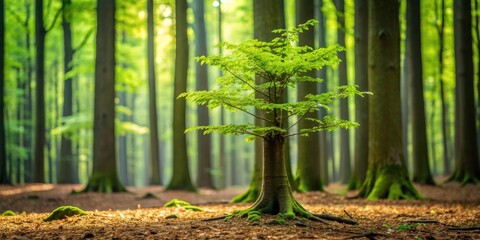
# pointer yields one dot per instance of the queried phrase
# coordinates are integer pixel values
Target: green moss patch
(9, 213)
(180, 203)
(64, 212)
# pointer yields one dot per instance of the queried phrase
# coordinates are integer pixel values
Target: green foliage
(9, 213)
(180, 203)
(258, 74)
(64, 212)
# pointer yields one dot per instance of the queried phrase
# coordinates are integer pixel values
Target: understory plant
(257, 75)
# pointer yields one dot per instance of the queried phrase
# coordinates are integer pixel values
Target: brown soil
(129, 216)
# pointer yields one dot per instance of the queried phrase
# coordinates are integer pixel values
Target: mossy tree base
(104, 183)
(388, 182)
(464, 178)
(249, 196)
(181, 186)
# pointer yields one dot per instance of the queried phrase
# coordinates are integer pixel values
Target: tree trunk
(152, 99)
(39, 151)
(445, 135)
(345, 165)
(27, 138)
(267, 16)
(181, 175)
(361, 105)
(104, 177)
(387, 175)
(467, 168)
(322, 88)
(421, 167)
(204, 176)
(67, 171)
(3, 154)
(308, 170)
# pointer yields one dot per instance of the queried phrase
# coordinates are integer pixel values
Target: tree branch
(298, 120)
(252, 87)
(18, 18)
(84, 41)
(249, 113)
(54, 19)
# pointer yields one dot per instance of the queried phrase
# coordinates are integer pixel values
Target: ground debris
(118, 216)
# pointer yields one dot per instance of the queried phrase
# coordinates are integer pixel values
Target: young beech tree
(281, 65)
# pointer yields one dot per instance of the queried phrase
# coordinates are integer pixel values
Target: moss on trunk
(106, 182)
(389, 181)
(276, 193)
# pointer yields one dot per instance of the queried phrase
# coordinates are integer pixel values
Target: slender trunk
(204, 176)
(308, 170)
(3, 154)
(39, 151)
(345, 168)
(445, 135)
(361, 104)
(28, 109)
(152, 98)
(181, 175)
(67, 171)
(322, 88)
(421, 167)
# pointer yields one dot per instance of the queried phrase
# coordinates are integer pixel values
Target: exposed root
(336, 219)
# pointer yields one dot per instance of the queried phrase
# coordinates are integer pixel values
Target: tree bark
(267, 16)
(467, 168)
(204, 176)
(387, 175)
(445, 135)
(152, 99)
(361, 104)
(345, 165)
(181, 175)
(104, 177)
(322, 87)
(3, 154)
(39, 150)
(308, 170)
(421, 166)
(67, 166)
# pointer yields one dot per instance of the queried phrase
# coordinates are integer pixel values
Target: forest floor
(449, 212)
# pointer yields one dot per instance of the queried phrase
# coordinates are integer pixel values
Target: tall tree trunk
(421, 167)
(39, 151)
(181, 175)
(477, 35)
(28, 109)
(445, 135)
(204, 176)
(345, 165)
(67, 171)
(322, 87)
(152, 99)
(387, 175)
(308, 170)
(267, 16)
(361, 105)
(104, 177)
(467, 168)
(123, 140)
(3, 154)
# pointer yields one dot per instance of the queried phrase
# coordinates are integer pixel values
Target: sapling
(257, 75)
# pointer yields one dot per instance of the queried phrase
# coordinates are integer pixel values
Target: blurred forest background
(48, 112)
